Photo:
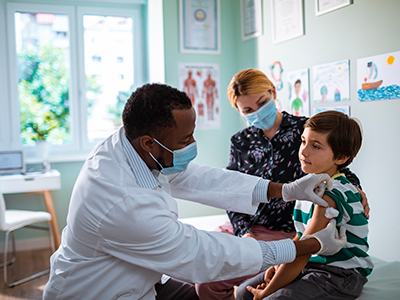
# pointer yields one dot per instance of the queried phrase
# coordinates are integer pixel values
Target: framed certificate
(287, 20)
(251, 18)
(200, 26)
(325, 6)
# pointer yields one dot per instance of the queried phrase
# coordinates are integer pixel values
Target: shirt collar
(338, 175)
(144, 177)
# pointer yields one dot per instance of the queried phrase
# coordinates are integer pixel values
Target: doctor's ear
(147, 143)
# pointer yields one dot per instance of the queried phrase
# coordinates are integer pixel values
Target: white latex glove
(308, 188)
(329, 238)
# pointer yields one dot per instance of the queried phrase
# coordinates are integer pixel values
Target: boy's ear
(341, 160)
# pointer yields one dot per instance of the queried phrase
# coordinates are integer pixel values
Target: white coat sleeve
(144, 233)
(225, 189)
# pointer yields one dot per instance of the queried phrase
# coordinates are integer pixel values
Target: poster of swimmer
(331, 82)
(299, 102)
(200, 82)
(378, 77)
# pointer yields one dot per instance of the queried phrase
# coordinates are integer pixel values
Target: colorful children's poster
(299, 102)
(201, 83)
(331, 82)
(378, 77)
(342, 109)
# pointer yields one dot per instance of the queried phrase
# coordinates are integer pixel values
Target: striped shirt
(348, 200)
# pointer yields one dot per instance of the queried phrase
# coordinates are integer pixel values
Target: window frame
(79, 147)
(5, 135)
(13, 8)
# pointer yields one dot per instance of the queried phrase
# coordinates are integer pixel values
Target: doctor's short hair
(248, 82)
(148, 110)
(344, 133)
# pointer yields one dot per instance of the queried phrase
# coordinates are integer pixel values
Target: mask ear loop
(155, 160)
(163, 146)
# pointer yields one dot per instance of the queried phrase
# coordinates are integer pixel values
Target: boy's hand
(269, 273)
(258, 292)
(308, 188)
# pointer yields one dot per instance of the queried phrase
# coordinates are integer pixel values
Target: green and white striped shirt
(348, 200)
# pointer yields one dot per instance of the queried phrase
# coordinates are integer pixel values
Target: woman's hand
(249, 234)
(364, 202)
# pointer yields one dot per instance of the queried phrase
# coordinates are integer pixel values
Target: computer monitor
(12, 161)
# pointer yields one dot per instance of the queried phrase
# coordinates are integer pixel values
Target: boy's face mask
(264, 117)
(181, 158)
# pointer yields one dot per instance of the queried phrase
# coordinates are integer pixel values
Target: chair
(11, 220)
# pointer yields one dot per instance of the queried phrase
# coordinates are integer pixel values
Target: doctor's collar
(144, 177)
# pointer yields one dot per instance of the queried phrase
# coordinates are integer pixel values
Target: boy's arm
(288, 272)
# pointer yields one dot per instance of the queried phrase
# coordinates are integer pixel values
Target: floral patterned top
(277, 160)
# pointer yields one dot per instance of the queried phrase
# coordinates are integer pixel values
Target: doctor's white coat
(120, 238)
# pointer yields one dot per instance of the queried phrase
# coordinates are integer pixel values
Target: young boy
(330, 142)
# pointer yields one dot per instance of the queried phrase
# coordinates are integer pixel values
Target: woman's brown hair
(248, 82)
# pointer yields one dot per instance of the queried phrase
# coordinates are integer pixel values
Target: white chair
(11, 220)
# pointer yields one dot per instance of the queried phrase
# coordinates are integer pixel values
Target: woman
(267, 148)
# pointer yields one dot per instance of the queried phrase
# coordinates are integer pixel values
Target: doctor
(122, 230)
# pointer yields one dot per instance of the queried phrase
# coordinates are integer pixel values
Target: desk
(37, 183)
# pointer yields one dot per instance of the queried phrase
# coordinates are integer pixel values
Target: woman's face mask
(181, 158)
(264, 117)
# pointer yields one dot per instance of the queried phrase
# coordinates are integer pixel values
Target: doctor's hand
(308, 188)
(331, 242)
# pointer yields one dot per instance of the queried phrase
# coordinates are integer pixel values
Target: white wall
(366, 28)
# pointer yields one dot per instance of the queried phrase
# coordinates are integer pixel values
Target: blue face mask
(264, 117)
(182, 157)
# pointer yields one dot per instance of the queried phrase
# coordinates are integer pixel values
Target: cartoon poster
(342, 109)
(201, 83)
(378, 77)
(276, 71)
(299, 102)
(331, 82)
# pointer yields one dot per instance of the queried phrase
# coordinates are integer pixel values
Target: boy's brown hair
(344, 133)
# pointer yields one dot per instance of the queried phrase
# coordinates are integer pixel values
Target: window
(68, 79)
(107, 98)
(43, 77)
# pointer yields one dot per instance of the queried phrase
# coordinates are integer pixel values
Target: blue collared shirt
(147, 179)
(273, 252)
(144, 177)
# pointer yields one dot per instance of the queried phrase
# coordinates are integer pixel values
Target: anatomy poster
(299, 102)
(331, 82)
(378, 77)
(201, 83)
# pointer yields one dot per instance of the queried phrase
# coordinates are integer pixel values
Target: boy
(330, 142)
